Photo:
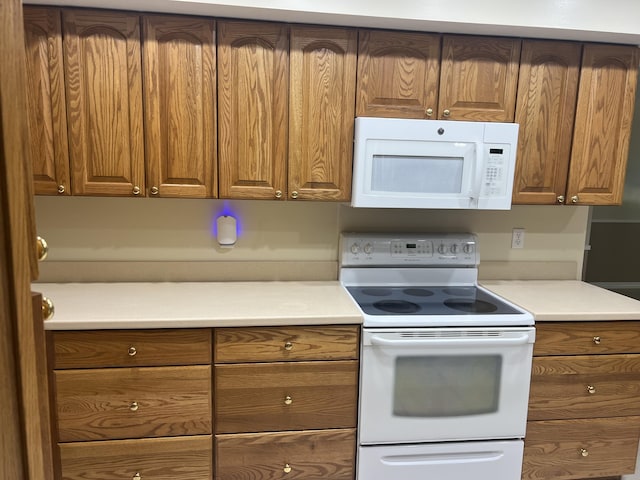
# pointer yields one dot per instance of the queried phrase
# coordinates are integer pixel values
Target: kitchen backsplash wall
(94, 234)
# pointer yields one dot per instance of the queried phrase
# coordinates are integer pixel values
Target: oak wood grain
(99, 404)
(180, 106)
(253, 86)
(95, 348)
(46, 110)
(479, 78)
(311, 455)
(271, 344)
(184, 458)
(560, 387)
(608, 82)
(321, 112)
(398, 74)
(553, 448)
(545, 111)
(577, 338)
(286, 396)
(104, 102)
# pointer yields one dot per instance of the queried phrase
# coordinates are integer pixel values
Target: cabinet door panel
(179, 93)
(253, 84)
(321, 112)
(398, 74)
(547, 95)
(104, 102)
(46, 101)
(479, 78)
(606, 97)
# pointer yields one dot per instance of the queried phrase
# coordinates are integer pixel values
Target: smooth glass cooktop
(417, 300)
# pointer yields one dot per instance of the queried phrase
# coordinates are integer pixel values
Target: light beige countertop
(83, 306)
(567, 300)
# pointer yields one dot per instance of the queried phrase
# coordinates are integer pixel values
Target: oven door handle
(449, 342)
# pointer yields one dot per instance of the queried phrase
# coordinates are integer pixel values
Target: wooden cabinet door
(547, 94)
(479, 78)
(46, 113)
(253, 77)
(321, 112)
(179, 99)
(606, 100)
(104, 102)
(398, 74)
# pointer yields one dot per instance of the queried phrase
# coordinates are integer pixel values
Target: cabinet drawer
(286, 396)
(133, 402)
(553, 449)
(274, 344)
(184, 458)
(584, 387)
(131, 348)
(579, 338)
(318, 455)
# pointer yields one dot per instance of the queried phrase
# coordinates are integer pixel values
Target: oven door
(427, 385)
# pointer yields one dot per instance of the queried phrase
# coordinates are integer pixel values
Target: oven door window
(446, 386)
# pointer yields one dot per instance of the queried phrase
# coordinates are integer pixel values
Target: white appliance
(445, 364)
(402, 163)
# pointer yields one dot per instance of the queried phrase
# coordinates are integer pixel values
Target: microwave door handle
(448, 342)
(476, 182)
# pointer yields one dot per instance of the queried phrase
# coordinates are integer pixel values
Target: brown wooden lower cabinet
(183, 458)
(570, 449)
(308, 455)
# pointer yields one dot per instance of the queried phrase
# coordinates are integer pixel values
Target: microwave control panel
(496, 171)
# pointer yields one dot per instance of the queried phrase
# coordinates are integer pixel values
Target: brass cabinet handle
(137, 476)
(288, 346)
(278, 194)
(560, 198)
(584, 452)
(575, 199)
(42, 247)
(132, 351)
(597, 340)
(429, 112)
(446, 113)
(136, 190)
(287, 468)
(154, 190)
(288, 400)
(591, 389)
(47, 308)
(294, 194)
(61, 189)
(133, 406)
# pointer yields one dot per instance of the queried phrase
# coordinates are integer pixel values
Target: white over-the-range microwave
(403, 163)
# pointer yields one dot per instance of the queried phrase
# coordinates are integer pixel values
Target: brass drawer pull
(597, 340)
(137, 476)
(132, 351)
(288, 346)
(287, 468)
(133, 406)
(42, 247)
(288, 400)
(584, 452)
(591, 389)
(47, 308)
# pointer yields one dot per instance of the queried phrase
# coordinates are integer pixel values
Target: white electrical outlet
(517, 238)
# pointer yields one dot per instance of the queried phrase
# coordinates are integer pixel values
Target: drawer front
(584, 387)
(184, 458)
(121, 403)
(580, 338)
(319, 455)
(274, 344)
(286, 396)
(570, 449)
(131, 348)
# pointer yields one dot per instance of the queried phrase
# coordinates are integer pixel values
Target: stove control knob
(355, 249)
(368, 248)
(442, 248)
(454, 248)
(468, 248)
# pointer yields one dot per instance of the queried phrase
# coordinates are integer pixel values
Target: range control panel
(383, 249)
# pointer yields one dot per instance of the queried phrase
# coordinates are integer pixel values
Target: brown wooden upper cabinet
(575, 121)
(180, 106)
(415, 75)
(103, 79)
(47, 118)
